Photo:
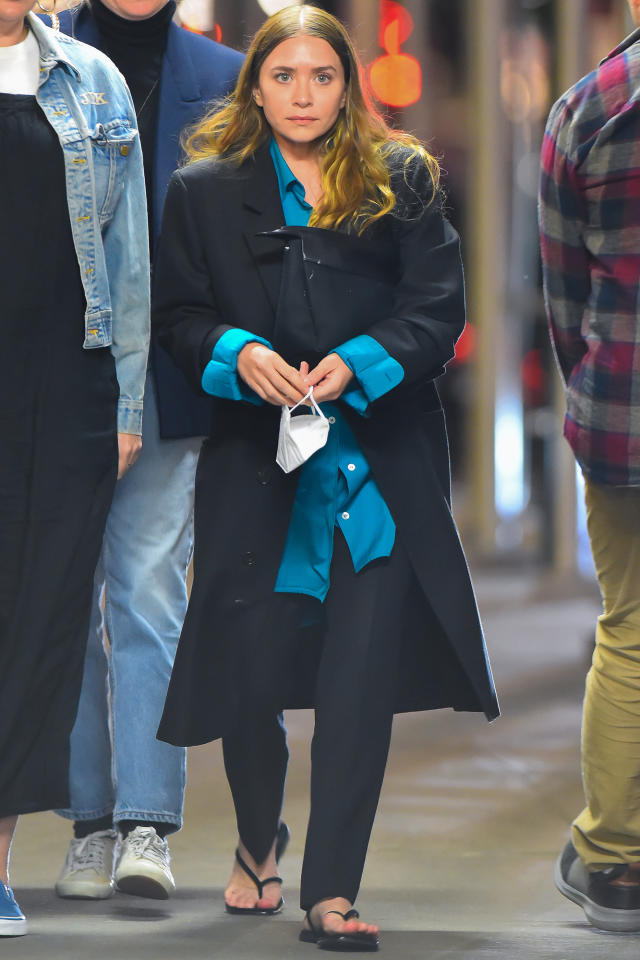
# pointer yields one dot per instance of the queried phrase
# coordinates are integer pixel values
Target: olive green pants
(607, 832)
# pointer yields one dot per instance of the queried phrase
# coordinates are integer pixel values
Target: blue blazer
(195, 71)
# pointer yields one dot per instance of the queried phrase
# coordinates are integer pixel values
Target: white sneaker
(88, 870)
(143, 865)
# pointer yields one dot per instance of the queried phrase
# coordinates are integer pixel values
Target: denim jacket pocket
(111, 145)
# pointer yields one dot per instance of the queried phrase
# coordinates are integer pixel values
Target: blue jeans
(116, 762)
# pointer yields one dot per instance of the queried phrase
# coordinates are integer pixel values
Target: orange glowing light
(217, 30)
(395, 78)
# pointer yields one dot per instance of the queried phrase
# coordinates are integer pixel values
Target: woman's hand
(329, 378)
(270, 376)
(129, 446)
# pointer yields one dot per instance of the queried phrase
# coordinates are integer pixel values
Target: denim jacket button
(124, 150)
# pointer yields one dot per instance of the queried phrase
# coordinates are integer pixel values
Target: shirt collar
(626, 43)
(51, 46)
(287, 183)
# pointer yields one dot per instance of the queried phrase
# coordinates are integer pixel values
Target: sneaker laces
(145, 843)
(89, 852)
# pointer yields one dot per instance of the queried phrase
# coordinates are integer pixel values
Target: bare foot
(241, 890)
(328, 922)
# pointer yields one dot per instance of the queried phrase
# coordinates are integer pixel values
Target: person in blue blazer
(126, 788)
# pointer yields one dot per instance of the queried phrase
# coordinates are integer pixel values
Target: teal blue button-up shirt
(336, 486)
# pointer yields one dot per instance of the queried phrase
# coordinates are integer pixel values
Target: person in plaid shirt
(590, 239)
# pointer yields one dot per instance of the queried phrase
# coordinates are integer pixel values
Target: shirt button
(351, 466)
(332, 419)
(345, 515)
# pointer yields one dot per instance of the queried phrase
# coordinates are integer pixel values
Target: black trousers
(354, 702)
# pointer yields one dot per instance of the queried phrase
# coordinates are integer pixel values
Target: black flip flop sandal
(346, 942)
(281, 845)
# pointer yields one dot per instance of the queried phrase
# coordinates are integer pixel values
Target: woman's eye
(283, 77)
(323, 78)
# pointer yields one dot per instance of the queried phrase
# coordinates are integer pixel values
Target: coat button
(264, 476)
(249, 559)
(239, 603)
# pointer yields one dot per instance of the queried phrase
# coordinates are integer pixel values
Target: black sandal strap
(349, 915)
(282, 840)
(260, 884)
(247, 869)
(263, 883)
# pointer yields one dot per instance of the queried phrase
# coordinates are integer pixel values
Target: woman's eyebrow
(315, 69)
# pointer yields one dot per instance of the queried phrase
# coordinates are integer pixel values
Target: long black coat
(215, 271)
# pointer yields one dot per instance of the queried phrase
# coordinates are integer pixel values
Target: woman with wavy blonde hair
(306, 263)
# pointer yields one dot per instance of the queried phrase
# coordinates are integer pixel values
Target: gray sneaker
(606, 906)
(88, 870)
(143, 865)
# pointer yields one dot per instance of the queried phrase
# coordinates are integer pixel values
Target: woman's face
(301, 89)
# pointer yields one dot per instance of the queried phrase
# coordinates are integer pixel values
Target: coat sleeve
(185, 318)
(428, 313)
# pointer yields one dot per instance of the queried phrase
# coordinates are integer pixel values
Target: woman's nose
(302, 93)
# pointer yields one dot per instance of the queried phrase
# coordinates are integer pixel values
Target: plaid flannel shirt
(589, 215)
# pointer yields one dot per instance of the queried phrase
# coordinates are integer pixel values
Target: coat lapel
(262, 211)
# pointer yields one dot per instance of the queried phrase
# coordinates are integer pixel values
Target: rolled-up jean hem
(147, 816)
(86, 814)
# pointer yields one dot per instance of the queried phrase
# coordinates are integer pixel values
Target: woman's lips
(302, 120)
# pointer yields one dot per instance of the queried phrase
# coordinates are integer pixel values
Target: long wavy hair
(357, 155)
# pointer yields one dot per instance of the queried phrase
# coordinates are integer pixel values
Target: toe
(235, 897)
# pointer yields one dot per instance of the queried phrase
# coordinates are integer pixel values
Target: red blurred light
(534, 380)
(394, 13)
(465, 345)
(395, 78)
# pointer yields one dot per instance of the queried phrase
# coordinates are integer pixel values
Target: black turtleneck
(137, 48)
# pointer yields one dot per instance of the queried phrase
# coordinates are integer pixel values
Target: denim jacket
(86, 101)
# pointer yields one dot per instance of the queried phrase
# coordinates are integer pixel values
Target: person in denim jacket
(127, 788)
(74, 275)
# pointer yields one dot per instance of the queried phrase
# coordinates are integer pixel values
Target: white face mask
(300, 437)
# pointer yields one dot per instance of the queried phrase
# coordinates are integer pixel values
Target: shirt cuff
(375, 371)
(220, 377)
(130, 416)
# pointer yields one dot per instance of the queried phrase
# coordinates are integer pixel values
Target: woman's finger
(273, 394)
(319, 372)
(286, 388)
(290, 375)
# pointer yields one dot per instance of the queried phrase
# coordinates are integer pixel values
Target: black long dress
(58, 462)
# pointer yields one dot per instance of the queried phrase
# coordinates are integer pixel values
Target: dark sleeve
(185, 319)
(428, 312)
